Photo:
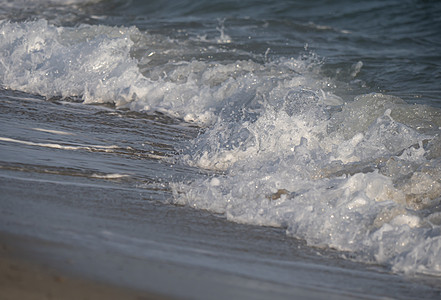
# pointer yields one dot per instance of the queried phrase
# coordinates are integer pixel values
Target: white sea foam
(356, 180)
(92, 63)
(98, 65)
(359, 175)
(300, 182)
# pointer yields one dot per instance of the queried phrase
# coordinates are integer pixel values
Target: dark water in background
(321, 118)
(397, 41)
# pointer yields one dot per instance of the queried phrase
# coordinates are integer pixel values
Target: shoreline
(23, 278)
(57, 247)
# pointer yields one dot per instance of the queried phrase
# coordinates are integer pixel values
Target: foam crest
(102, 64)
(329, 176)
(89, 62)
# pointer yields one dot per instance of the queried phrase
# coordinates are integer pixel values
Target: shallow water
(314, 118)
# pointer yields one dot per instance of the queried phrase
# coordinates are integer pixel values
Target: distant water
(319, 117)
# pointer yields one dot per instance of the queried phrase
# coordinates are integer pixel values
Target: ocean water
(320, 118)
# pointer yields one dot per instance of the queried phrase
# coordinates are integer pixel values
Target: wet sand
(22, 278)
